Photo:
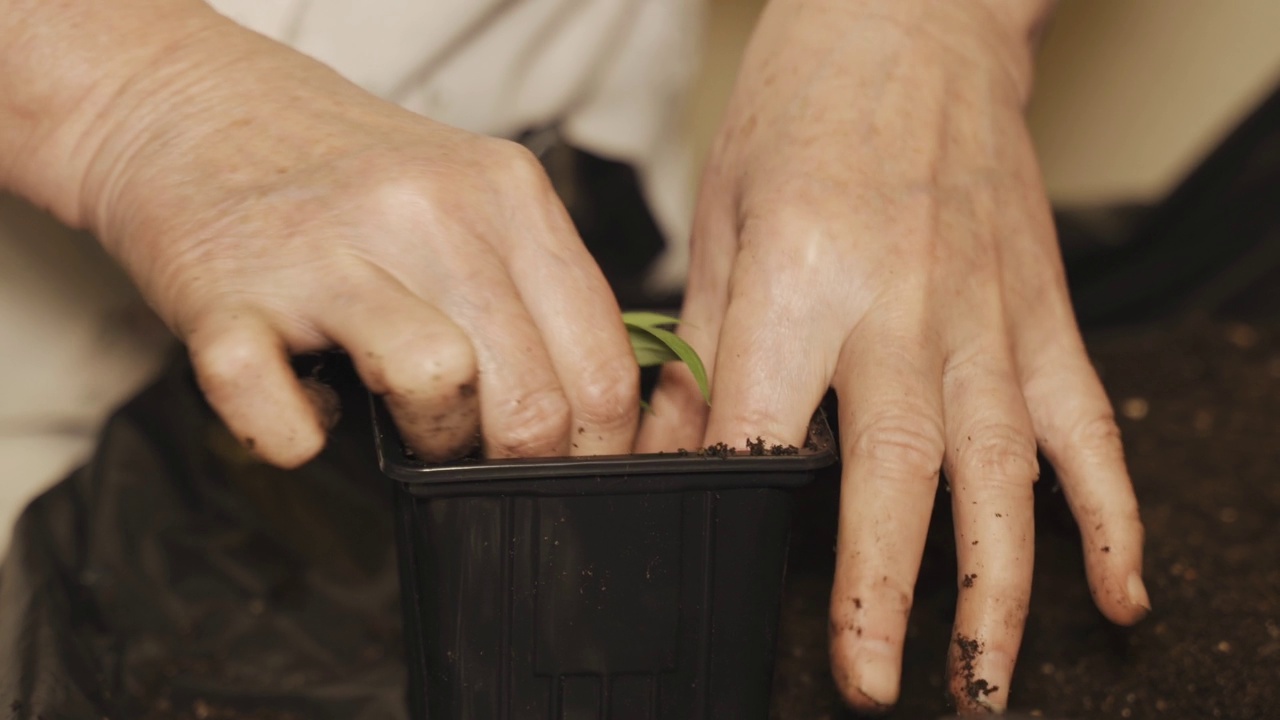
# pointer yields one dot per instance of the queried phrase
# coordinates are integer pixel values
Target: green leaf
(684, 352)
(689, 356)
(643, 319)
(649, 350)
(655, 345)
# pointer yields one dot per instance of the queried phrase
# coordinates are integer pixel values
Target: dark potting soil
(755, 448)
(1199, 406)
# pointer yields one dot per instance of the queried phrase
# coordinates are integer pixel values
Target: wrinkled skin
(872, 219)
(289, 211)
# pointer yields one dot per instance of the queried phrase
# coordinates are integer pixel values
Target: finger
(242, 367)
(679, 412)
(1076, 427)
(572, 306)
(1072, 417)
(776, 352)
(888, 383)
(992, 467)
(417, 359)
(522, 401)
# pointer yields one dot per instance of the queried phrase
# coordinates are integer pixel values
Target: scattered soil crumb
(718, 450)
(758, 447)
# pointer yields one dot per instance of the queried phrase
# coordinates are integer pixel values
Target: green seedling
(654, 345)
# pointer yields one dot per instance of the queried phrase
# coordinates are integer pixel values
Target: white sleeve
(615, 73)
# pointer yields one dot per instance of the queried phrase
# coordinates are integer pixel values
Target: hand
(872, 219)
(265, 206)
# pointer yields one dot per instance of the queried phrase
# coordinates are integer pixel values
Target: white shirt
(613, 73)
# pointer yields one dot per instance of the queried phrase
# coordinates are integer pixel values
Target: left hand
(872, 219)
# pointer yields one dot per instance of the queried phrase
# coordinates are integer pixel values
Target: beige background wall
(1130, 92)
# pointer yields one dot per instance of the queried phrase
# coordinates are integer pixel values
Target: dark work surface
(1206, 463)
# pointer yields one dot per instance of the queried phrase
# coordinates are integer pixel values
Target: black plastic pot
(619, 588)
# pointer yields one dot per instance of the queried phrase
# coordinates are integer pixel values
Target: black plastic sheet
(175, 577)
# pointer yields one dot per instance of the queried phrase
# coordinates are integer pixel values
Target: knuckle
(516, 163)
(778, 219)
(403, 196)
(226, 361)
(796, 203)
(806, 252)
(1098, 433)
(907, 444)
(426, 368)
(608, 396)
(1000, 454)
(533, 425)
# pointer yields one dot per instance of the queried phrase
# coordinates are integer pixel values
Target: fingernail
(1138, 592)
(878, 681)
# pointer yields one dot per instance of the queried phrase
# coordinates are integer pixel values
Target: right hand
(265, 206)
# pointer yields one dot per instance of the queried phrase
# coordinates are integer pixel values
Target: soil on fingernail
(974, 689)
